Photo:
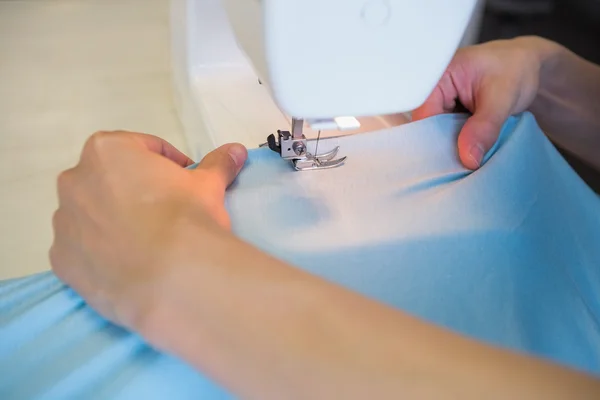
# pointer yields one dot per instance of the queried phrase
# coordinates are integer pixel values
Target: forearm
(267, 330)
(567, 106)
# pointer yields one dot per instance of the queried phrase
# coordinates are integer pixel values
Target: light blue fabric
(509, 254)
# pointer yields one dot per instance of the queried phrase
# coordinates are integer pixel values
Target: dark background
(573, 23)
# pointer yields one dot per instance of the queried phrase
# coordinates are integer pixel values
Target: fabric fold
(508, 254)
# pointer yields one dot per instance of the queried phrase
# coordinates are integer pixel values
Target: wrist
(180, 278)
(546, 55)
(544, 51)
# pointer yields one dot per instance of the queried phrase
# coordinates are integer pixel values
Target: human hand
(493, 81)
(124, 218)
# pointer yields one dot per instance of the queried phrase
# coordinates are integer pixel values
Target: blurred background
(573, 23)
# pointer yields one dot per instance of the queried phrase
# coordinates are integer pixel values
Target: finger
(61, 260)
(164, 148)
(108, 142)
(66, 186)
(224, 164)
(441, 101)
(481, 131)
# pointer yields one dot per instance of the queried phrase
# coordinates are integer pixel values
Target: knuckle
(54, 257)
(100, 140)
(101, 146)
(60, 223)
(63, 182)
(100, 135)
(71, 188)
(56, 220)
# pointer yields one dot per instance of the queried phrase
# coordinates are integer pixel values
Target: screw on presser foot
(293, 147)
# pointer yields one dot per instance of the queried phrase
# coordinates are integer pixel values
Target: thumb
(223, 164)
(481, 131)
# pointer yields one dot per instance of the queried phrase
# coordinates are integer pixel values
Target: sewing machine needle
(317, 144)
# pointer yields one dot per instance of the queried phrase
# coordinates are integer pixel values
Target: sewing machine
(281, 72)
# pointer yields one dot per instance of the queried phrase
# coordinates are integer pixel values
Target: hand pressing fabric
(492, 81)
(501, 78)
(124, 211)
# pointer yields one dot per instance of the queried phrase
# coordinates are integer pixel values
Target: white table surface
(67, 69)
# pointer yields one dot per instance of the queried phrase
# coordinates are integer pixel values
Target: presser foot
(292, 146)
(321, 161)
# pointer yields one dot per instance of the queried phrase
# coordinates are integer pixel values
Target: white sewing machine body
(242, 69)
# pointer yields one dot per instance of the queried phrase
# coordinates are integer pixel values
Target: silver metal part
(297, 128)
(293, 146)
(322, 161)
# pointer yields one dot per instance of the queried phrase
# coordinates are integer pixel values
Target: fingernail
(477, 153)
(238, 154)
